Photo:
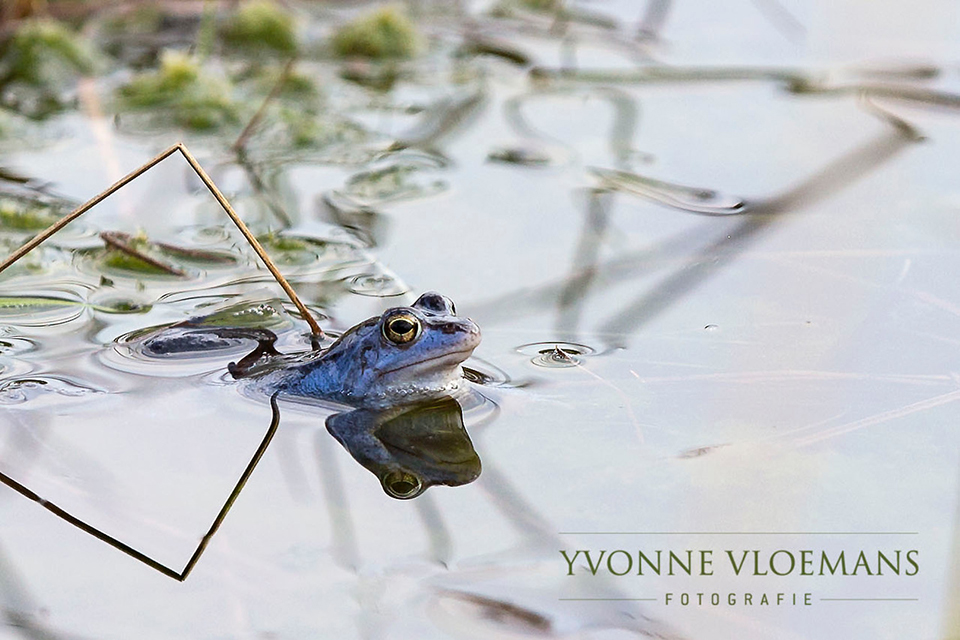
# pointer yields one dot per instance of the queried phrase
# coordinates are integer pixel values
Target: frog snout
(466, 326)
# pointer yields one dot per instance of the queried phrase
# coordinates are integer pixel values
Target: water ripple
(556, 355)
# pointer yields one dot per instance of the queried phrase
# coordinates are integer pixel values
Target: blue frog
(406, 355)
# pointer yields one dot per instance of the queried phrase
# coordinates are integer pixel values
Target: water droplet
(402, 485)
(376, 285)
(556, 355)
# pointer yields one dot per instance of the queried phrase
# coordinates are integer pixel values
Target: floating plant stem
(126, 244)
(692, 199)
(38, 239)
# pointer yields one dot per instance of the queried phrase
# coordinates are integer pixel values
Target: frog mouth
(449, 359)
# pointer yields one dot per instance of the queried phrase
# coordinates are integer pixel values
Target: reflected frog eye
(402, 485)
(402, 328)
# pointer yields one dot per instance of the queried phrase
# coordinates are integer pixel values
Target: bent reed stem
(41, 237)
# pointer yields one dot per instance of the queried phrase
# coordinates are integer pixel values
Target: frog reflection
(410, 447)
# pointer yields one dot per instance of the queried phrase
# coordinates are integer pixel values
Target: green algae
(39, 62)
(260, 26)
(192, 98)
(41, 52)
(17, 216)
(386, 32)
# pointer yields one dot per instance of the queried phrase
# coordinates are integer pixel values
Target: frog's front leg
(190, 337)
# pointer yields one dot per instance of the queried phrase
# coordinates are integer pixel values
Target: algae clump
(261, 26)
(384, 33)
(15, 216)
(193, 99)
(38, 64)
(41, 53)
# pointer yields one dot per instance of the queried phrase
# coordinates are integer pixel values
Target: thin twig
(314, 327)
(38, 239)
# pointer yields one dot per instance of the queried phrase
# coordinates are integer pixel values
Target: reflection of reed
(759, 214)
(137, 555)
(584, 271)
(19, 608)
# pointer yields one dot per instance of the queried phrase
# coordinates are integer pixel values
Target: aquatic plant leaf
(23, 304)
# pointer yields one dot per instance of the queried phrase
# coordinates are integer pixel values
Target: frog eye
(402, 485)
(401, 328)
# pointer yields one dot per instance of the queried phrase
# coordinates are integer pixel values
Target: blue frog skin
(408, 354)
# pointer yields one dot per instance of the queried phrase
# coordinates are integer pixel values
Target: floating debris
(389, 183)
(477, 44)
(130, 254)
(692, 199)
(377, 75)
(525, 156)
(291, 250)
(22, 390)
(443, 118)
(698, 452)
(39, 311)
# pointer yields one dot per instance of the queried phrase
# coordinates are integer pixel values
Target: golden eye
(401, 328)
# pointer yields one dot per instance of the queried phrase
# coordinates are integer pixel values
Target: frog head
(406, 354)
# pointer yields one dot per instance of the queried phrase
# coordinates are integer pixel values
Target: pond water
(713, 269)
